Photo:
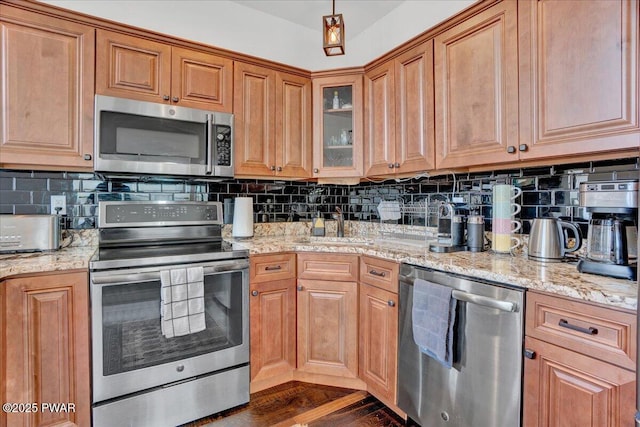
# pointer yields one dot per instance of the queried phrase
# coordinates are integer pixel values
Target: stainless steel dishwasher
(484, 386)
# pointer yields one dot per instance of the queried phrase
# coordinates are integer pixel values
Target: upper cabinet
(272, 123)
(399, 117)
(578, 76)
(133, 67)
(46, 91)
(337, 126)
(476, 89)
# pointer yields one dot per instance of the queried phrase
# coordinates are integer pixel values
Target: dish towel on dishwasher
(182, 301)
(434, 314)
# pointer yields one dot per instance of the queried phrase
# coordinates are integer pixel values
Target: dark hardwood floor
(302, 404)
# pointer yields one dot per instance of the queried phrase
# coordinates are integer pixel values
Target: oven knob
(220, 137)
(180, 368)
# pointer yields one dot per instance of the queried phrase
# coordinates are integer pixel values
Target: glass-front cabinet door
(338, 126)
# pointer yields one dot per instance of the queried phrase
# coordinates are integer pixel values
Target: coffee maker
(452, 224)
(612, 237)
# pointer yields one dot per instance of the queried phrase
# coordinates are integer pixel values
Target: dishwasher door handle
(507, 306)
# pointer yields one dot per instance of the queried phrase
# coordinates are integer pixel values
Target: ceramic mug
(505, 192)
(506, 226)
(506, 209)
(502, 243)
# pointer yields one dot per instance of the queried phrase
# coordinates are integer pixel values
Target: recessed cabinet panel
(380, 137)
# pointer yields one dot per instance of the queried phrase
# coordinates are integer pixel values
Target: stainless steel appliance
(548, 241)
(29, 233)
(613, 233)
(147, 138)
(139, 376)
(484, 386)
(451, 229)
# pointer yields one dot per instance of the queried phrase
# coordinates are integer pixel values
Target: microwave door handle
(209, 144)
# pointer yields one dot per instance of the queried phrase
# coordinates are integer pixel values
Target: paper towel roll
(243, 217)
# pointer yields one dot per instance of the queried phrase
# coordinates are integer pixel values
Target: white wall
(229, 25)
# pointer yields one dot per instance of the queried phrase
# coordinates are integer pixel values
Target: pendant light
(333, 33)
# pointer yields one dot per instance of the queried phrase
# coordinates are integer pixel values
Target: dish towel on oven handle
(182, 301)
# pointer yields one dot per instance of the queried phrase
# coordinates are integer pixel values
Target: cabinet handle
(511, 149)
(390, 165)
(315, 170)
(279, 168)
(254, 293)
(523, 147)
(272, 168)
(397, 165)
(589, 331)
(529, 354)
(87, 157)
(377, 273)
(391, 303)
(175, 99)
(165, 97)
(300, 288)
(273, 267)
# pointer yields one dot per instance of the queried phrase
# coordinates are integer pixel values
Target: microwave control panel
(223, 137)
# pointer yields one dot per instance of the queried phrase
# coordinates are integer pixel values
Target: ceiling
(358, 14)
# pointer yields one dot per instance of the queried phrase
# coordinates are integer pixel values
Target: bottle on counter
(317, 228)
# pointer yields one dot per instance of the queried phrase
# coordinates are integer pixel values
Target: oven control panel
(159, 213)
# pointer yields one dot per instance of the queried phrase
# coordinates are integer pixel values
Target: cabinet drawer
(265, 268)
(600, 332)
(379, 272)
(324, 266)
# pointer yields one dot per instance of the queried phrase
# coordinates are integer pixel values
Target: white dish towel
(182, 301)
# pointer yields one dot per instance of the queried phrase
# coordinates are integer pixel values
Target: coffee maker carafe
(612, 237)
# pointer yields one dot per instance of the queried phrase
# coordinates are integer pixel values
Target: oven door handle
(151, 276)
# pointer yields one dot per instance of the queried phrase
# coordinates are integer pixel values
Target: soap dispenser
(318, 225)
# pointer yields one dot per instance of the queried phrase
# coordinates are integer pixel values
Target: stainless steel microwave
(146, 138)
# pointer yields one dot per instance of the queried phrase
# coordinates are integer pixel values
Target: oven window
(131, 331)
(134, 137)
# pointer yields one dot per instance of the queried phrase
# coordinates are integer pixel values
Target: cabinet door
(585, 101)
(476, 89)
(46, 320)
(564, 388)
(379, 117)
(293, 142)
(328, 328)
(132, 67)
(273, 329)
(201, 80)
(337, 126)
(254, 109)
(415, 134)
(379, 341)
(46, 91)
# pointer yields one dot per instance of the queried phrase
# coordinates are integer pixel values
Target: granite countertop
(557, 278)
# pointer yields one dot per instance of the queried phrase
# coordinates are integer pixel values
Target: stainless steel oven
(143, 376)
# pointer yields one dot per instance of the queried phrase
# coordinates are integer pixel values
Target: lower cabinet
(44, 349)
(579, 366)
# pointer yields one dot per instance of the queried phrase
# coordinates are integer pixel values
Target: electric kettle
(548, 240)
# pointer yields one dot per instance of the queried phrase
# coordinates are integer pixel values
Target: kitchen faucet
(340, 219)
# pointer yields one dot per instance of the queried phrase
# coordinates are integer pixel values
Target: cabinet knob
(391, 303)
(165, 97)
(300, 288)
(529, 354)
(272, 168)
(511, 149)
(315, 170)
(397, 165)
(87, 157)
(523, 147)
(254, 293)
(390, 165)
(279, 168)
(175, 99)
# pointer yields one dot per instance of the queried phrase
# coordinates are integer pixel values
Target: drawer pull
(377, 273)
(273, 268)
(589, 331)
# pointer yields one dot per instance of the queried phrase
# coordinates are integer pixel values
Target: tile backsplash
(545, 191)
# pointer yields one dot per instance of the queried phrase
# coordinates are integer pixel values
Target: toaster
(29, 233)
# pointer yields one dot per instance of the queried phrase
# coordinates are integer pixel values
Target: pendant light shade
(333, 33)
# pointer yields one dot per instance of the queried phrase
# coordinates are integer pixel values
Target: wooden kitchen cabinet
(45, 347)
(399, 114)
(143, 69)
(579, 356)
(378, 346)
(47, 119)
(328, 315)
(476, 89)
(579, 77)
(273, 123)
(337, 126)
(273, 319)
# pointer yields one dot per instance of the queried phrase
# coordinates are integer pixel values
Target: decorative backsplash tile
(546, 191)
